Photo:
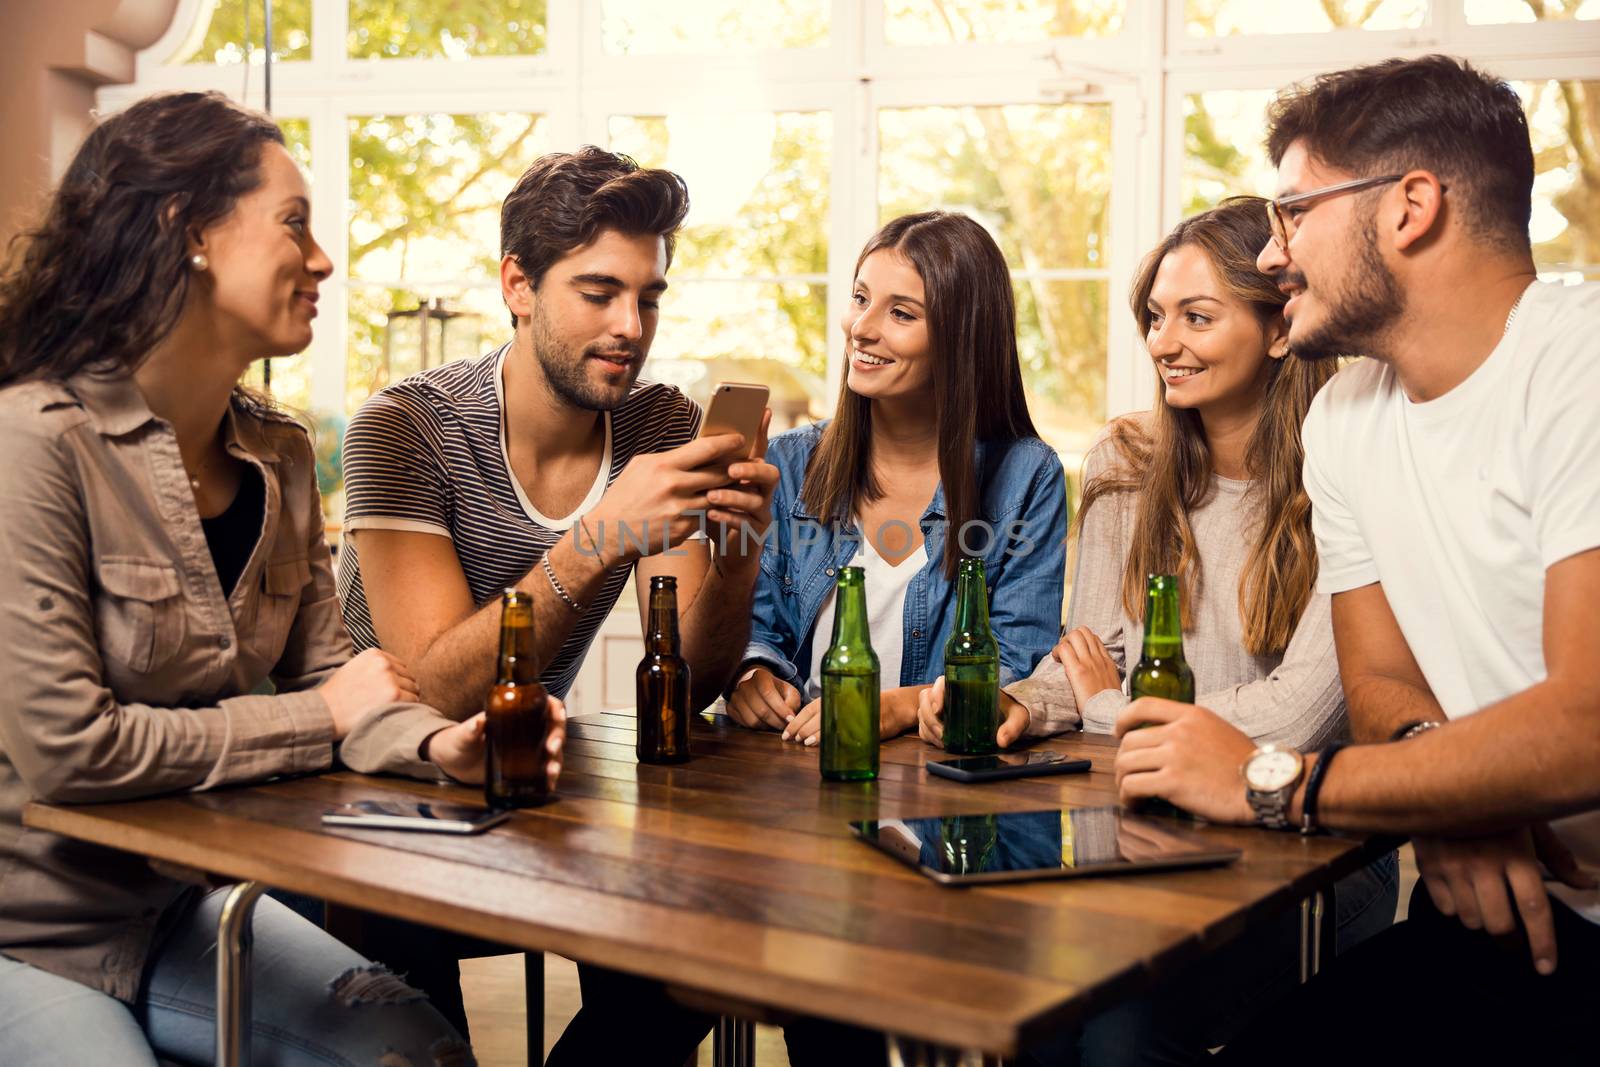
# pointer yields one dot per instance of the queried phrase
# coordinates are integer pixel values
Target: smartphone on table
(1006, 765)
(424, 815)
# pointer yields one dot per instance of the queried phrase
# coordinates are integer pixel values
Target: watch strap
(1270, 809)
(1308, 806)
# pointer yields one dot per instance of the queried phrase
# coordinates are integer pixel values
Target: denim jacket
(1022, 499)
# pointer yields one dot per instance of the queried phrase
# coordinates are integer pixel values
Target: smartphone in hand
(736, 407)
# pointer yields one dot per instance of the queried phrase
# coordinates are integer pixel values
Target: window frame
(1143, 73)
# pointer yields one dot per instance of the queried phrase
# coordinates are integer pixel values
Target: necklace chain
(1514, 309)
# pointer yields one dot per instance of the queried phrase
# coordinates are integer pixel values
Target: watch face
(1268, 772)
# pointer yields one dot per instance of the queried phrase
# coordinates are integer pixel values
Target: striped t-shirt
(428, 454)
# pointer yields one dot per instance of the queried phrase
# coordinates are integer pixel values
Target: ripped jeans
(316, 1003)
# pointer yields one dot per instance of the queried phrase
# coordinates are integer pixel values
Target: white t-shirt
(1459, 505)
(886, 614)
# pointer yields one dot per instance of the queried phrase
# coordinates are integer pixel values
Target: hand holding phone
(744, 502)
(1014, 765)
(736, 407)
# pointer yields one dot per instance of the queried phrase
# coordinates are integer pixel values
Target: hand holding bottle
(930, 716)
(459, 750)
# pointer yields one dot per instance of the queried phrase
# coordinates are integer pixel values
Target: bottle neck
(661, 635)
(972, 603)
(517, 663)
(1163, 627)
(850, 616)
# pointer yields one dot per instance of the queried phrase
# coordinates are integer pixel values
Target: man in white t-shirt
(1454, 476)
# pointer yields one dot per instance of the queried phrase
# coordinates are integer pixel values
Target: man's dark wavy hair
(565, 199)
(1434, 113)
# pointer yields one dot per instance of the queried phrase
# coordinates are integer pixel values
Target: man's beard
(1359, 312)
(566, 370)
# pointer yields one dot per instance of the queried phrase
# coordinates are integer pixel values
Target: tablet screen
(1013, 846)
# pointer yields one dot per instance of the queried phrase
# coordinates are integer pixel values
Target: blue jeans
(316, 1003)
(1211, 1001)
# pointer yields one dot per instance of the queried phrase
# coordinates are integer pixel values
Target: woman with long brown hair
(1206, 486)
(912, 472)
(163, 558)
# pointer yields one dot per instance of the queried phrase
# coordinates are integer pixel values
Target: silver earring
(199, 261)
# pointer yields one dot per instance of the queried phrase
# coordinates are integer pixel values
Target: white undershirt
(602, 475)
(886, 613)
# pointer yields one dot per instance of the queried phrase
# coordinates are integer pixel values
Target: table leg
(234, 944)
(906, 1052)
(734, 1043)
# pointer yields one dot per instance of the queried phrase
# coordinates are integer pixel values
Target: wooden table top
(735, 879)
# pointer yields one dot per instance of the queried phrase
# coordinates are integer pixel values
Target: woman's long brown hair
(104, 277)
(972, 340)
(1168, 465)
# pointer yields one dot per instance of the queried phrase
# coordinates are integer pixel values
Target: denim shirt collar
(931, 515)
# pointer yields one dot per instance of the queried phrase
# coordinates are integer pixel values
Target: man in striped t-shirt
(523, 467)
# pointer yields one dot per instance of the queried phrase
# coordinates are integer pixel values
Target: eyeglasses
(1283, 226)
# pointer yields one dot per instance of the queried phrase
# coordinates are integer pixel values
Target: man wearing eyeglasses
(1455, 484)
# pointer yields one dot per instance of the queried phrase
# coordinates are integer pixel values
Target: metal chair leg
(1318, 907)
(235, 941)
(1305, 941)
(533, 1003)
(734, 1044)
(1313, 916)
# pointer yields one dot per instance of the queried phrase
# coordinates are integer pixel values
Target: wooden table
(735, 880)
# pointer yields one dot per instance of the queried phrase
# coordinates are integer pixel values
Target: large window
(1076, 131)
(645, 27)
(424, 239)
(1038, 177)
(1001, 21)
(1207, 18)
(750, 274)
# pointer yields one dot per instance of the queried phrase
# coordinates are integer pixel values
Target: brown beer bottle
(661, 683)
(518, 714)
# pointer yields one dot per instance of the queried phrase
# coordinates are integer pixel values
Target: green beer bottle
(968, 841)
(661, 681)
(1162, 670)
(971, 669)
(850, 687)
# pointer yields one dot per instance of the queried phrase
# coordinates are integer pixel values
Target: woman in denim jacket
(916, 469)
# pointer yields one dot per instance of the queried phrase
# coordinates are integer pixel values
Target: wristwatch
(1270, 776)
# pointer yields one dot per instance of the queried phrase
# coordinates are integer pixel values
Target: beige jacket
(125, 673)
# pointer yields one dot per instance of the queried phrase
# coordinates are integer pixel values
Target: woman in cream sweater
(1205, 486)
